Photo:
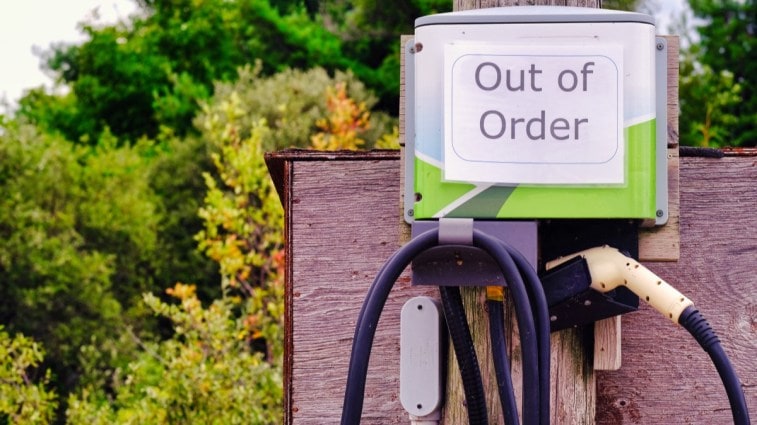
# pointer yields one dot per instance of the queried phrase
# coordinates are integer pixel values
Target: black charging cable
(535, 404)
(693, 321)
(465, 353)
(540, 309)
(501, 363)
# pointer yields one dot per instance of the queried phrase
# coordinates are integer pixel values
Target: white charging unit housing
(536, 112)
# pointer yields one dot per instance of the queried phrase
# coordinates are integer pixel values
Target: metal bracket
(409, 198)
(661, 120)
(456, 231)
(459, 264)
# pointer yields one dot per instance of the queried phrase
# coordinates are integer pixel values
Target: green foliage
(244, 225)
(21, 400)
(54, 286)
(621, 4)
(289, 102)
(84, 231)
(389, 140)
(205, 374)
(223, 363)
(134, 78)
(707, 104)
(370, 31)
(719, 76)
(94, 214)
(176, 178)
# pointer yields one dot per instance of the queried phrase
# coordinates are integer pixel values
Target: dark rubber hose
(532, 403)
(696, 324)
(501, 363)
(465, 353)
(540, 312)
(368, 320)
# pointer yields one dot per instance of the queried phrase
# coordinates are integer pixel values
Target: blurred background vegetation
(141, 252)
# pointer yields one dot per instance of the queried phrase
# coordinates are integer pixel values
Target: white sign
(533, 114)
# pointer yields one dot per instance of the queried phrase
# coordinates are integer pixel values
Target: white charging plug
(609, 269)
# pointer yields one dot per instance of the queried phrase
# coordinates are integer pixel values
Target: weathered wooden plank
(673, 68)
(666, 378)
(607, 344)
(343, 227)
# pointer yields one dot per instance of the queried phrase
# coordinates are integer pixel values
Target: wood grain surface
(342, 225)
(666, 378)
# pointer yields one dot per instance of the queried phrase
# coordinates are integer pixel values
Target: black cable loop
(533, 404)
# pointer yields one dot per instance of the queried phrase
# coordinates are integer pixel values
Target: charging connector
(610, 269)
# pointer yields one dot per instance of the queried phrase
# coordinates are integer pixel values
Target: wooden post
(573, 389)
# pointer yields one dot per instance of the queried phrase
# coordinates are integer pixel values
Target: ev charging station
(516, 117)
(536, 113)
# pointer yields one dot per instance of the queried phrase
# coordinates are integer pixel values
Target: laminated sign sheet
(516, 114)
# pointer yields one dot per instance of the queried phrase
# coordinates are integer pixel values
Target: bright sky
(29, 25)
(26, 25)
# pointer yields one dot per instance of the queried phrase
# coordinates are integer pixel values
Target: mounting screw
(417, 47)
(660, 213)
(410, 213)
(660, 46)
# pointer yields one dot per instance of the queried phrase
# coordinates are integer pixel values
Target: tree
(135, 78)
(708, 99)
(719, 82)
(289, 102)
(81, 238)
(206, 373)
(53, 286)
(223, 363)
(23, 401)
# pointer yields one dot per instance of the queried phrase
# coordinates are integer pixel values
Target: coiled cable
(534, 403)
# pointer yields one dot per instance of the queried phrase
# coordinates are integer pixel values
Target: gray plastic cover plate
(420, 356)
